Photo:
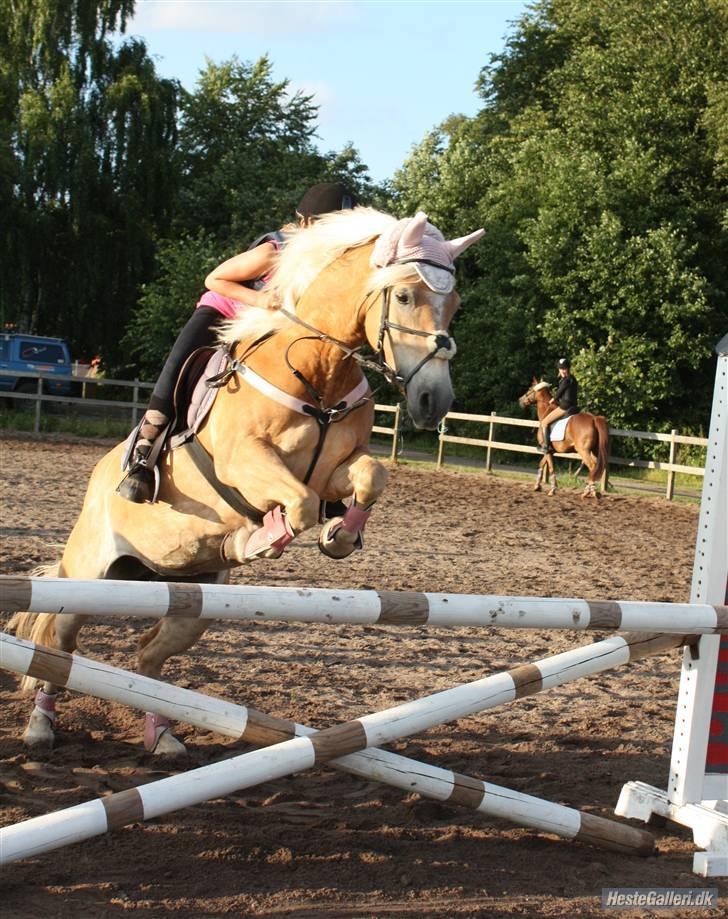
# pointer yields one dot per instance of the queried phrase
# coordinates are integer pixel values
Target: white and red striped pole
(41, 834)
(144, 599)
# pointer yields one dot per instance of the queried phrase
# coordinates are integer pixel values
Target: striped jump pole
(41, 834)
(261, 730)
(361, 607)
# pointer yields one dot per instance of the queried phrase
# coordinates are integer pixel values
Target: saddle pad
(558, 428)
(202, 398)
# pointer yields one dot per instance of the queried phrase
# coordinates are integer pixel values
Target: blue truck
(34, 354)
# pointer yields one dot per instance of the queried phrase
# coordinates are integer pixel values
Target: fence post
(395, 436)
(134, 399)
(488, 466)
(670, 490)
(38, 403)
(604, 481)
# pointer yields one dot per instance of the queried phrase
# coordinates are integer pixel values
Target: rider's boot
(138, 484)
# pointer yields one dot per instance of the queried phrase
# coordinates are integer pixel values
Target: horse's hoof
(551, 493)
(158, 738)
(537, 488)
(336, 542)
(39, 736)
(168, 745)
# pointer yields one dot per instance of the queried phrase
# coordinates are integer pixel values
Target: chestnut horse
(587, 434)
(289, 428)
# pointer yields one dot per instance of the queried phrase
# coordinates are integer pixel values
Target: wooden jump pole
(404, 608)
(44, 833)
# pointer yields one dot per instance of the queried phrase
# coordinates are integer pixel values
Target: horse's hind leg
(170, 636)
(60, 632)
(590, 489)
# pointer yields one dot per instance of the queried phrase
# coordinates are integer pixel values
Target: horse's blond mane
(307, 251)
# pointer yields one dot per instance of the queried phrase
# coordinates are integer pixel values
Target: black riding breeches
(201, 331)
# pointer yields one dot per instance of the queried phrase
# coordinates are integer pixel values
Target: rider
(233, 285)
(564, 401)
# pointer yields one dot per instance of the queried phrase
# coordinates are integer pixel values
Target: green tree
(246, 156)
(598, 168)
(88, 172)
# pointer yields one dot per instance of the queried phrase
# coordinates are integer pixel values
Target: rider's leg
(200, 331)
(546, 422)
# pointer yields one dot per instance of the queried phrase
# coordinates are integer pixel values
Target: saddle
(193, 399)
(557, 430)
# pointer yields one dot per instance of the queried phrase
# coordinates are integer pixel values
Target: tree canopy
(597, 165)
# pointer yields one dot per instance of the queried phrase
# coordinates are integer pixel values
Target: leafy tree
(598, 167)
(246, 157)
(86, 177)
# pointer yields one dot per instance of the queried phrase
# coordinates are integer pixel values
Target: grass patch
(76, 424)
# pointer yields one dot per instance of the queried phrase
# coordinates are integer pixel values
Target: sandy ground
(324, 843)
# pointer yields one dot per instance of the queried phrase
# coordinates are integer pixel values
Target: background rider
(564, 400)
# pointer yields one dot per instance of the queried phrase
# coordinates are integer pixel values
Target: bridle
(443, 344)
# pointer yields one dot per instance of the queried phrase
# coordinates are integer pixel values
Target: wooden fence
(488, 444)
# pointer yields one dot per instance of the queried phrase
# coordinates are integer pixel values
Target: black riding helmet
(564, 363)
(326, 197)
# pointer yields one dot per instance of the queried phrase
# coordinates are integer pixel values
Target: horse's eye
(401, 296)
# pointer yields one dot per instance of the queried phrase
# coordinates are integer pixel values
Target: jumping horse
(288, 429)
(585, 433)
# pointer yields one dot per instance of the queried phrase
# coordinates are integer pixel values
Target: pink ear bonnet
(415, 240)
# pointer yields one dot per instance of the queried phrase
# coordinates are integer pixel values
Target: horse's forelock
(394, 274)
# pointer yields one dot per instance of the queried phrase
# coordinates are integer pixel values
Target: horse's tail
(602, 427)
(39, 628)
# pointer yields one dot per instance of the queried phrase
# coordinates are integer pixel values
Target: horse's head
(532, 393)
(407, 323)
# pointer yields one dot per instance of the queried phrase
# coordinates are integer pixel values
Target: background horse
(587, 434)
(289, 427)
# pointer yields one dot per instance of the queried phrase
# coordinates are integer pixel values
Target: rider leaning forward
(235, 284)
(564, 401)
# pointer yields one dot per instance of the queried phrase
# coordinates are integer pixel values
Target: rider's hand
(268, 300)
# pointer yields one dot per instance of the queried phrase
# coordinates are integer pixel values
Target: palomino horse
(289, 428)
(586, 433)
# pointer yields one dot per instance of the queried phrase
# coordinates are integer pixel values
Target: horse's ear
(414, 231)
(533, 381)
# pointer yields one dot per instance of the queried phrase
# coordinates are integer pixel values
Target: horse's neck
(542, 404)
(333, 304)
(324, 366)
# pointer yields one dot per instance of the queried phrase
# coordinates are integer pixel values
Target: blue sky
(383, 72)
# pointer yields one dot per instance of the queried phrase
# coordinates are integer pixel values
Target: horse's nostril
(425, 402)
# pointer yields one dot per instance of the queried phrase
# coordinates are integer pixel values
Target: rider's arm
(227, 278)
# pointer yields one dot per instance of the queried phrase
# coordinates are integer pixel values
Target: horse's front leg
(365, 478)
(552, 473)
(540, 475)
(269, 481)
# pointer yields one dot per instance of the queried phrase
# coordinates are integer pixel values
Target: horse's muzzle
(429, 404)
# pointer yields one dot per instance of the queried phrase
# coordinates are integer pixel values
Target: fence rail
(489, 443)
